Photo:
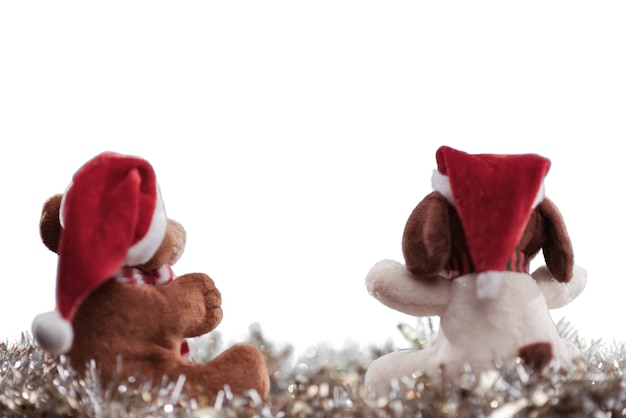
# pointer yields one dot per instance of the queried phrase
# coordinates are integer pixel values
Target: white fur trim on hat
(53, 333)
(541, 194)
(441, 184)
(144, 249)
(62, 206)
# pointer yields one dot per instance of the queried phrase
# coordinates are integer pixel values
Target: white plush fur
(488, 284)
(474, 331)
(559, 294)
(53, 333)
(441, 184)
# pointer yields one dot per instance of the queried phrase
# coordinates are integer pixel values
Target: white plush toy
(467, 248)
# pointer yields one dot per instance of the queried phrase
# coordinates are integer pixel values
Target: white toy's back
(467, 248)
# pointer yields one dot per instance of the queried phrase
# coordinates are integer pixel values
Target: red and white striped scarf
(159, 277)
(133, 275)
(460, 264)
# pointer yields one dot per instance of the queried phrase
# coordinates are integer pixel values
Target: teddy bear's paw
(202, 301)
(212, 296)
(197, 285)
(248, 368)
(240, 367)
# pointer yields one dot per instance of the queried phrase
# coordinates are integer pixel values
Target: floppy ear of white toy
(391, 283)
(559, 294)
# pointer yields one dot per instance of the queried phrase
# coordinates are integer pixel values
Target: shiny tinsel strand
(35, 385)
(323, 381)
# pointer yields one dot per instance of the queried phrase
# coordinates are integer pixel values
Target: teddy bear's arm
(195, 302)
(557, 293)
(392, 284)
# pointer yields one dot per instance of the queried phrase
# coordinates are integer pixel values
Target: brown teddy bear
(118, 301)
(467, 249)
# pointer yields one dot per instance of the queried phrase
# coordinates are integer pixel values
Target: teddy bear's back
(127, 321)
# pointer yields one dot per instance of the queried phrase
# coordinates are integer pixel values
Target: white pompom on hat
(112, 215)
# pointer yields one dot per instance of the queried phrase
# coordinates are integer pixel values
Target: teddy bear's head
(110, 217)
(169, 251)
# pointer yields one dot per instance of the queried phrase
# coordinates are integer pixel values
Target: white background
(292, 139)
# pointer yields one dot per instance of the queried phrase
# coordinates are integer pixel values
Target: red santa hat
(112, 216)
(494, 195)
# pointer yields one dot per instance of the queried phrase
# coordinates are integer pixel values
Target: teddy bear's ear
(171, 247)
(557, 248)
(426, 243)
(50, 223)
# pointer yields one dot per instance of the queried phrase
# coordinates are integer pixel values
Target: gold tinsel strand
(323, 382)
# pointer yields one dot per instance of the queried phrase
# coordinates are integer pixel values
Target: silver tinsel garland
(322, 382)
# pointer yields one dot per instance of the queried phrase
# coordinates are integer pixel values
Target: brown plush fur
(433, 234)
(128, 328)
